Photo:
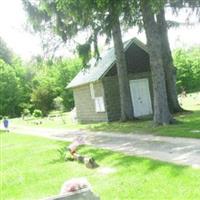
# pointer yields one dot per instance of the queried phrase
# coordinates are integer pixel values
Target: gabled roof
(99, 68)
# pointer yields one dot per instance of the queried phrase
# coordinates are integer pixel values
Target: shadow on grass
(4, 132)
(175, 170)
(122, 127)
(128, 160)
(121, 161)
(186, 119)
(186, 124)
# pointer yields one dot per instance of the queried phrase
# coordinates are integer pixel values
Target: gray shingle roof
(99, 68)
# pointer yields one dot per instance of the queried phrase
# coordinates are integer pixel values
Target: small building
(96, 89)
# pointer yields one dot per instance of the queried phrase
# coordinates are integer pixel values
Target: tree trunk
(161, 110)
(124, 89)
(170, 70)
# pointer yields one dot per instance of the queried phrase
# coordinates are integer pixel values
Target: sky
(12, 29)
(23, 43)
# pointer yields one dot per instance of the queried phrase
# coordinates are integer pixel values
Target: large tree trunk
(170, 70)
(161, 110)
(124, 89)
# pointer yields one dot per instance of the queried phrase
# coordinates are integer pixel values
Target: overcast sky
(13, 21)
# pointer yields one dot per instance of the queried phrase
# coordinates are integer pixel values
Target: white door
(140, 95)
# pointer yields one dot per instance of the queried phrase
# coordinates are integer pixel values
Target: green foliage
(66, 70)
(23, 72)
(37, 113)
(15, 87)
(36, 85)
(26, 112)
(44, 91)
(11, 90)
(68, 18)
(5, 53)
(187, 62)
(84, 51)
(36, 16)
(58, 104)
(50, 82)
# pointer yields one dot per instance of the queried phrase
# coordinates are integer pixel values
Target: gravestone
(83, 194)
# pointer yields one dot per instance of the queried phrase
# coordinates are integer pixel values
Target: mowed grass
(188, 123)
(33, 168)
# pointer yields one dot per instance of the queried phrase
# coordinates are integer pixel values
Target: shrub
(58, 103)
(26, 112)
(37, 113)
(187, 63)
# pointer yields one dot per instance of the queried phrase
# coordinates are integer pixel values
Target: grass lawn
(33, 168)
(188, 123)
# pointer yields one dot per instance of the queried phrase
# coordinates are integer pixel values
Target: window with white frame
(99, 104)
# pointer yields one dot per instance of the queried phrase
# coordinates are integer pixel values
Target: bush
(37, 113)
(26, 112)
(187, 63)
(58, 104)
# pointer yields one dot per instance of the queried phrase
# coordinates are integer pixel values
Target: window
(98, 101)
(92, 93)
(99, 104)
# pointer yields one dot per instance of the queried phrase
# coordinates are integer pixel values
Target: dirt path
(175, 150)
